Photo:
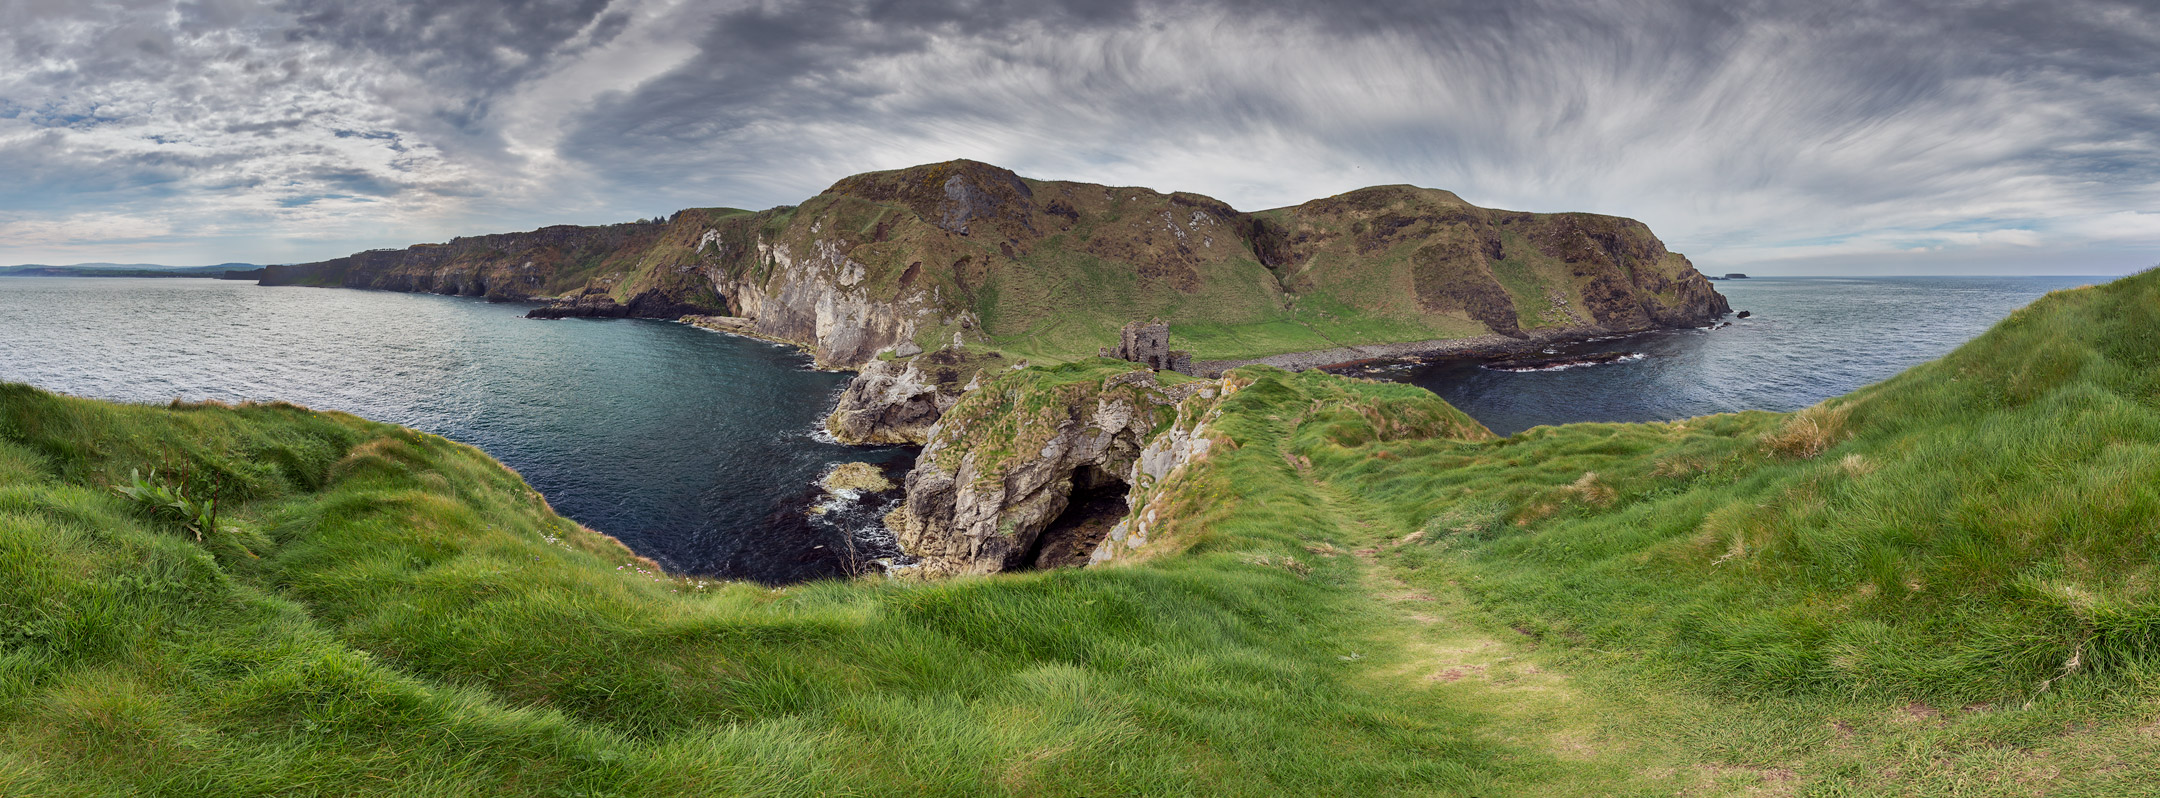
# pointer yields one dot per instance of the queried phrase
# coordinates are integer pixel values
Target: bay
(696, 449)
(699, 449)
(1806, 339)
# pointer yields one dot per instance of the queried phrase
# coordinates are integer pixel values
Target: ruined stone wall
(1148, 344)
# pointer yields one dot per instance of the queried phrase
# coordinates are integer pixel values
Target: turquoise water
(696, 449)
(1807, 339)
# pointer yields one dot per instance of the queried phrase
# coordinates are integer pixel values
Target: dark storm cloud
(1743, 132)
(477, 45)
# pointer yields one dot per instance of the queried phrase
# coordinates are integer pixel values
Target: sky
(1767, 137)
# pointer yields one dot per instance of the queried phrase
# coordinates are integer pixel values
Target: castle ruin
(1148, 343)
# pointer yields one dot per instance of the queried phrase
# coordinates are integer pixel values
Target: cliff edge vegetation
(1941, 584)
(963, 253)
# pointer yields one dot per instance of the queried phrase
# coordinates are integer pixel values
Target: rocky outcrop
(898, 401)
(504, 266)
(1033, 469)
(1188, 440)
(596, 303)
(1408, 252)
(967, 254)
(1097, 462)
(817, 295)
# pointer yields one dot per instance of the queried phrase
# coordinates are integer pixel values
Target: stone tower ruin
(1148, 343)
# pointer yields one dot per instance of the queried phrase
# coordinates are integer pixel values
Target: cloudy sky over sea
(1789, 138)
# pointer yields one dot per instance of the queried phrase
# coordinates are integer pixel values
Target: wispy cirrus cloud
(1852, 136)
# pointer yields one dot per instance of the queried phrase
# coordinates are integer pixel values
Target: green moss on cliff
(1051, 270)
(1007, 421)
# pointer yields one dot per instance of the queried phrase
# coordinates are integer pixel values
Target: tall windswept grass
(1977, 529)
(392, 613)
(1809, 432)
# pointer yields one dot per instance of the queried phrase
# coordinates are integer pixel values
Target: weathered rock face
(1629, 281)
(992, 489)
(967, 253)
(814, 293)
(1186, 442)
(1507, 270)
(898, 401)
(596, 303)
(505, 266)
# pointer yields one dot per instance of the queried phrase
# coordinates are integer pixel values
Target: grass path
(1597, 725)
(1431, 641)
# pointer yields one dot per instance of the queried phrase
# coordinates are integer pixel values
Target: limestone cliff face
(899, 401)
(993, 488)
(1097, 462)
(814, 293)
(1163, 462)
(927, 257)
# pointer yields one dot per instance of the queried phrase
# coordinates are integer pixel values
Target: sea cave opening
(1096, 504)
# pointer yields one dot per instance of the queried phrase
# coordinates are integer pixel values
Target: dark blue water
(1808, 339)
(699, 449)
(696, 449)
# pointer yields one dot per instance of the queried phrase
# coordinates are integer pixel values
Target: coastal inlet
(702, 451)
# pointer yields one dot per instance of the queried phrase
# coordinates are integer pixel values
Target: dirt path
(1431, 642)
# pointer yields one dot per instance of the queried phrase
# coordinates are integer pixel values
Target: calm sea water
(1808, 339)
(696, 449)
(699, 450)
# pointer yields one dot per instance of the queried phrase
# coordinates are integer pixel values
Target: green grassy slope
(394, 613)
(1965, 532)
(1053, 269)
(1942, 584)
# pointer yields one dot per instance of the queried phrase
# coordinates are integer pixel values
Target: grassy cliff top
(385, 612)
(1942, 584)
(1052, 270)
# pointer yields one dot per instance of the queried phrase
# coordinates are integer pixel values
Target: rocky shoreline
(901, 276)
(1559, 362)
(1373, 355)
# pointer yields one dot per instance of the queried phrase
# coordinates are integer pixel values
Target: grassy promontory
(1942, 584)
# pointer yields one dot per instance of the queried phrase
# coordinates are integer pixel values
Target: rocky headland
(970, 258)
(993, 488)
(1095, 461)
(900, 400)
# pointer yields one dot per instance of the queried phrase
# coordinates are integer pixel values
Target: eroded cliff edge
(898, 401)
(1102, 460)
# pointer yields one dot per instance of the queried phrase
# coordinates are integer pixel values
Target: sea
(1806, 339)
(697, 449)
(701, 450)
